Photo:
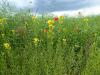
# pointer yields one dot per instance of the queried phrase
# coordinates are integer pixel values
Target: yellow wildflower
(2, 20)
(61, 22)
(61, 17)
(35, 40)
(13, 31)
(64, 40)
(95, 34)
(7, 46)
(50, 34)
(50, 22)
(77, 46)
(86, 19)
(33, 17)
(2, 35)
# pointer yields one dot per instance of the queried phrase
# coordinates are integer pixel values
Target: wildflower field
(48, 45)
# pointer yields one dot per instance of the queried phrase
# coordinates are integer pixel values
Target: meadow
(48, 45)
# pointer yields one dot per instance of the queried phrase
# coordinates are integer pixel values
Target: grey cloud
(43, 6)
(60, 5)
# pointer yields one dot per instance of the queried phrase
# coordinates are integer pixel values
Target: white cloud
(94, 2)
(94, 8)
(23, 3)
(65, 0)
(84, 11)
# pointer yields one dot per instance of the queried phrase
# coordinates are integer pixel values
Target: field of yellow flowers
(31, 45)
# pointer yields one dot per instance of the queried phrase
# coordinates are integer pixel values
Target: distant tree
(6, 6)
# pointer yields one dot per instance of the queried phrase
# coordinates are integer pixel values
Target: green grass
(69, 48)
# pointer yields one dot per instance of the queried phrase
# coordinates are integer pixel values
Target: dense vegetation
(31, 45)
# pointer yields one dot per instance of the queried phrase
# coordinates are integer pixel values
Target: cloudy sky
(60, 6)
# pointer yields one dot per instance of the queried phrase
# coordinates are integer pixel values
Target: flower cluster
(50, 23)
(36, 41)
(2, 20)
(7, 46)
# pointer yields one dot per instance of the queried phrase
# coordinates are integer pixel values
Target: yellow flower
(50, 22)
(61, 22)
(95, 34)
(77, 46)
(35, 40)
(2, 20)
(2, 35)
(33, 17)
(64, 40)
(50, 34)
(13, 31)
(7, 46)
(86, 19)
(61, 17)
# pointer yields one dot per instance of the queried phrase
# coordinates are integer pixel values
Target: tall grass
(28, 46)
(71, 48)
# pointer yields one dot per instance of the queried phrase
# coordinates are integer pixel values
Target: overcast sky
(57, 5)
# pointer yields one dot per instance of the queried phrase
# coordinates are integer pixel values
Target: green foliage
(71, 47)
